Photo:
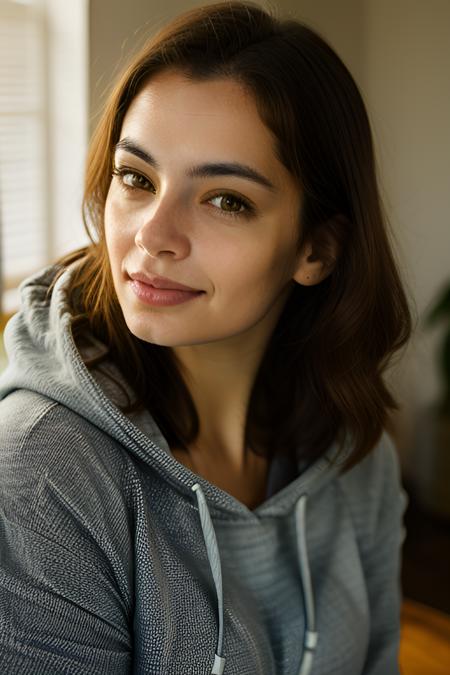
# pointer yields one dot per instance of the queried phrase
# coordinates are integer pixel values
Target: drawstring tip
(219, 665)
(311, 639)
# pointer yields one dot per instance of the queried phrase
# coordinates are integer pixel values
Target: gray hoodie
(115, 558)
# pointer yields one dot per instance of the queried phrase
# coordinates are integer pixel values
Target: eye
(132, 180)
(231, 205)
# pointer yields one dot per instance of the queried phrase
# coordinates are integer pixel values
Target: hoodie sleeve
(378, 511)
(64, 603)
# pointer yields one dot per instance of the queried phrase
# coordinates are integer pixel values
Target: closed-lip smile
(161, 282)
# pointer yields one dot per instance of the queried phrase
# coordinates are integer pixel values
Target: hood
(43, 357)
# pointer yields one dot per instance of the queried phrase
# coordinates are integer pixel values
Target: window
(44, 75)
(23, 144)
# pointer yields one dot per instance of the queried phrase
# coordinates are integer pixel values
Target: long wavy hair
(320, 379)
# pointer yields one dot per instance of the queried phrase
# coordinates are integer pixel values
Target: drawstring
(214, 561)
(212, 549)
(311, 635)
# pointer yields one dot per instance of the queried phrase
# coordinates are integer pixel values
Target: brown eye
(133, 180)
(229, 204)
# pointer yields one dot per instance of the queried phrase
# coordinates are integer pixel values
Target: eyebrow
(207, 170)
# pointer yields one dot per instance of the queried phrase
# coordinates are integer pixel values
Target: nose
(162, 230)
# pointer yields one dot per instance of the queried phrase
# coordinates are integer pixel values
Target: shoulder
(65, 517)
(376, 472)
(36, 427)
(374, 493)
(53, 463)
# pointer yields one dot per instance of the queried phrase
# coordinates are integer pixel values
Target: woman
(195, 472)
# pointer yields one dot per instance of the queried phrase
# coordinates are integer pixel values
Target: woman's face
(200, 197)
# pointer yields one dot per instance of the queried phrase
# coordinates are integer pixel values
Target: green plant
(440, 311)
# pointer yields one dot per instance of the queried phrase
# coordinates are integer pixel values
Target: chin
(141, 329)
(170, 338)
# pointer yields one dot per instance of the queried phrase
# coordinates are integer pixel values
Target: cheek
(116, 232)
(262, 267)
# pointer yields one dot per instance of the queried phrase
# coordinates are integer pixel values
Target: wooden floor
(425, 640)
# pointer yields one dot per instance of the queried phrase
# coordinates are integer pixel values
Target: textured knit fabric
(115, 558)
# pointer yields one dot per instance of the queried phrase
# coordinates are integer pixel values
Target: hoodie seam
(49, 406)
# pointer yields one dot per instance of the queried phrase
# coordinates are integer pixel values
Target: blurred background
(57, 62)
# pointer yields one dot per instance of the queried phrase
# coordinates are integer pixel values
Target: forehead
(217, 118)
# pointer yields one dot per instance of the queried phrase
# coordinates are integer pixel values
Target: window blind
(23, 174)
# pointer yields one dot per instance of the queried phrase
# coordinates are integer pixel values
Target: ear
(319, 254)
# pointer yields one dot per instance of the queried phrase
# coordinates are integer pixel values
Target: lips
(161, 282)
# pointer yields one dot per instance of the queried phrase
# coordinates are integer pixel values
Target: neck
(220, 383)
(220, 376)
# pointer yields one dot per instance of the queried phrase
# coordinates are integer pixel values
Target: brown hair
(321, 377)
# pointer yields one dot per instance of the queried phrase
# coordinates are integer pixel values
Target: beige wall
(408, 91)
(340, 22)
(399, 54)
(116, 30)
